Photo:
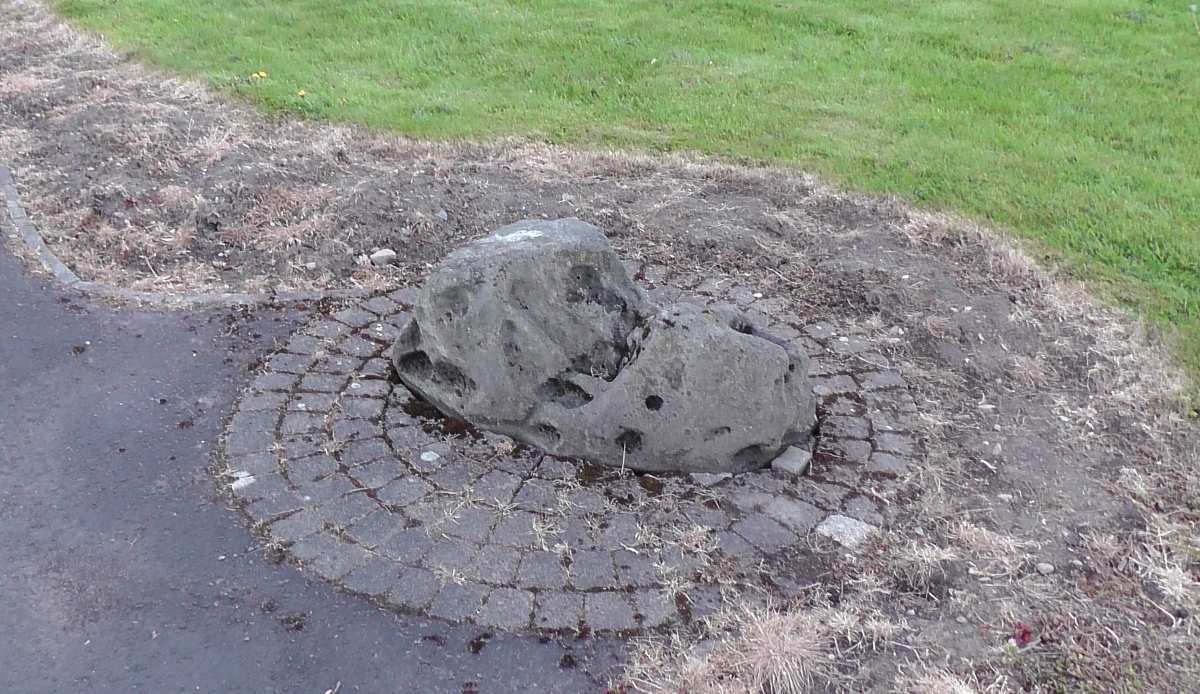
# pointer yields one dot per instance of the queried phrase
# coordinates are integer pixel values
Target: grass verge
(1070, 121)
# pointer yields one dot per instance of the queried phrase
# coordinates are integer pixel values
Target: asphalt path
(122, 568)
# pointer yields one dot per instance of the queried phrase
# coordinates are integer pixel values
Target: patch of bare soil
(1046, 542)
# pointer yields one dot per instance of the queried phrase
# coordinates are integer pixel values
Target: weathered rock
(537, 332)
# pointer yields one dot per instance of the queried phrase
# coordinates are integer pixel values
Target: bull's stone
(538, 332)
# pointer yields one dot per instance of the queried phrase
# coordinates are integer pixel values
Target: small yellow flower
(262, 74)
(300, 93)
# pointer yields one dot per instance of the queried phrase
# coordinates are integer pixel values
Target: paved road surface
(122, 569)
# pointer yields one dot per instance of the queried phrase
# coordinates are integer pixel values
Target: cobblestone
(461, 529)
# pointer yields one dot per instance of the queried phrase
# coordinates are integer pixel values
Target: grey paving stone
(900, 444)
(254, 421)
(652, 609)
(702, 515)
(702, 601)
(881, 380)
(665, 295)
(254, 402)
(884, 421)
(375, 528)
(591, 569)
(429, 513)
(273, 381)
(379, 473)
(496, 487)
(381, 306)
(360, 452)
(336, 364)
(321, 383)
(328, 329)
(343, 511)
(373, 577)
(829, 385)
(407, 545)
(407, 296)
(362, 408)
(310, 468)
(494, 565)
(457, 603)
(794, 461)
(608, 611)
(555, 469)
(863, 509)
(634, 569)
(470, 523)
(289, 363)
(420, 459)
(324, 490)
(846, 427)
(301, 423)
(255, 464)
(306, 344)
(246, 442)
(764, 533)
(844, 406)
(585, 501)
(354, 317)
(262, 486)
(414, 589)
(557, 611)
(337, 563)
(888, 463)
(541, 570)
(733, 545)
(311, 402)
(301, 445)
(449, 555)
(619, 531)
(821, 494)
(314, 546)
(507, 608)
(296, 527)
(368, 388)
(534, 495)
(385, 332)
(456, 476)
(377, 368)
(797, 516)
(355, 346)
(849, 450)
(270, 508)
(346, 430)
(515, 529)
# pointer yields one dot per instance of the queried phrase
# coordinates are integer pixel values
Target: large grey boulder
(537, 332)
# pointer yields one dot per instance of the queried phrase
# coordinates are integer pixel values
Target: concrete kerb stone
(33, 241)
(473, 528)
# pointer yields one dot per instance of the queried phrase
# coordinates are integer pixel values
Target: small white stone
(429, 456)
(1045, 568)
(383, 256)
(241, 480)
(708, 479)
(846, 531)
(794, 461)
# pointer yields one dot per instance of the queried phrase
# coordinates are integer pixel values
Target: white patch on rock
(429, 456)
(846, 531)
(514, 237)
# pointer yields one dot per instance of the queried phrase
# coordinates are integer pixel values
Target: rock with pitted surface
(537, 332)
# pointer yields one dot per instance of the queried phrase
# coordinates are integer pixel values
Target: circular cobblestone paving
(370, 488)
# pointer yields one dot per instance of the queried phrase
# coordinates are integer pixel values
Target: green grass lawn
(1075, 123)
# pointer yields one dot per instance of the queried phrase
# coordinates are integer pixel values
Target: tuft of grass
(1071, 121)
